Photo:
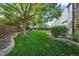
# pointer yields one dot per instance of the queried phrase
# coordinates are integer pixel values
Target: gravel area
(4, 40)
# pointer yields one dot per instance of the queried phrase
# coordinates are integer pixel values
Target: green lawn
(37, 43)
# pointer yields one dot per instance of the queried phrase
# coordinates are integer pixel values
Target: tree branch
(15, 7)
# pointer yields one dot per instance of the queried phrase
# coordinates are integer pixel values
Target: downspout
(73, 19)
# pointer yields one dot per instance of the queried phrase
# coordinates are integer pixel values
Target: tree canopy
(30, 12)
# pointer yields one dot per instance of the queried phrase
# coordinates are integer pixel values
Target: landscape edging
(63, 39)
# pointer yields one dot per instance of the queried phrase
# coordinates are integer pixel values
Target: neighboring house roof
(68, 5)
(65, 21)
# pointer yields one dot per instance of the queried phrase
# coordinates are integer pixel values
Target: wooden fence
(10, 28)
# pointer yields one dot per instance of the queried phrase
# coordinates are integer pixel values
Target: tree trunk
(24, 29)
(23, 25)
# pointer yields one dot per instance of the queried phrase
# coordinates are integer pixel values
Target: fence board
(9, 28)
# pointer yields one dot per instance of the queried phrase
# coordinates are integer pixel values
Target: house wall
(77, 15)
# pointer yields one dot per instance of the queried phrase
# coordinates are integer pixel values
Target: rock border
(63, 39)
(10, 47)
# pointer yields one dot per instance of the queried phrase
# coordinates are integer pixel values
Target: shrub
(59, 30)
(76, 36)
(12, 22)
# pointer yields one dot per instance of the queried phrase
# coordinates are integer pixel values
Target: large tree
(25, 12)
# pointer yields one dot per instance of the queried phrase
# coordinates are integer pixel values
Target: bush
(76, 37)
(59, 30)
(12, 22)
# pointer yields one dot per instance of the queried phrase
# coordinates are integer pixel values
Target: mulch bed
(4, 40)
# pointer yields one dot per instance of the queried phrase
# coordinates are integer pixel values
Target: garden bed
(5, 41)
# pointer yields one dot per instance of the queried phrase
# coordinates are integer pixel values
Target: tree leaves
(30, 11)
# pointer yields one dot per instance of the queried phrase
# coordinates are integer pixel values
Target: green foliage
(56, 12)
(43, 25)
(2, 21)
(52, 13)
(59, 30)
(11, 21)
(25, 12)
(76, 36)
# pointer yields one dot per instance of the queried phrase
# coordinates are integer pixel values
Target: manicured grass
(37, 43)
